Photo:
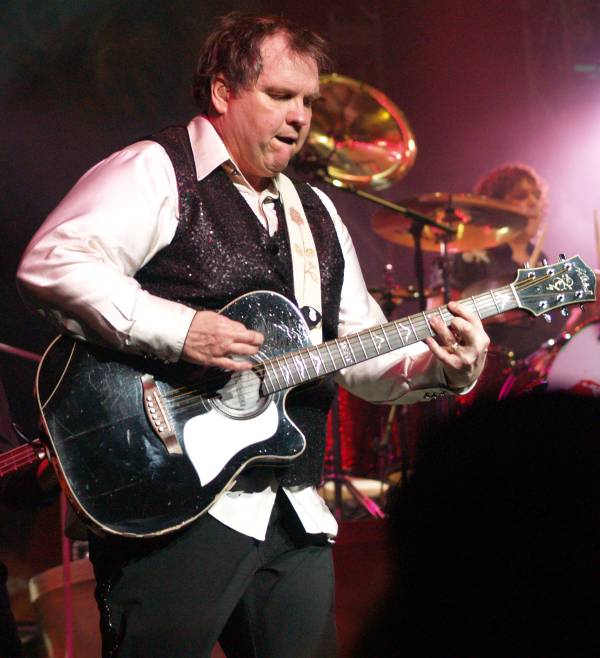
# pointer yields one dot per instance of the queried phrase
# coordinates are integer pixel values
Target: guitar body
(113, 463)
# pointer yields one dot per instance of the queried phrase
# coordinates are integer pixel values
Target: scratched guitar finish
(143, 448)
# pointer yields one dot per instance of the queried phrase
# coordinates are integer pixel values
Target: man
(140, 255)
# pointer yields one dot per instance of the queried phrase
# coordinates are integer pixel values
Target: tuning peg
(544, 262)
(547, 317)
(562, 257)
(582, 307)
(526, 264)
(564, 311)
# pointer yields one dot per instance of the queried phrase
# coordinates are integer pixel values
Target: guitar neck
(310, 363)
(18, 458)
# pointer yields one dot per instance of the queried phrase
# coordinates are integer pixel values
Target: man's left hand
(461, 347)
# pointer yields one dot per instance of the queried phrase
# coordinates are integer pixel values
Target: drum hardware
(390, 297)
(384, 445)
(341, 481)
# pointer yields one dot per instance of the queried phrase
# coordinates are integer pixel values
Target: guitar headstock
(542, 289)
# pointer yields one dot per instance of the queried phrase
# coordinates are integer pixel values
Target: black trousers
(175, 597)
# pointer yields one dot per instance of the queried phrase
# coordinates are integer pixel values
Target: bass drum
(570, 363)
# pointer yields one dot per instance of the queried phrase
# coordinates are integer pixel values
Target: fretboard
(18, 458)
(301, 366)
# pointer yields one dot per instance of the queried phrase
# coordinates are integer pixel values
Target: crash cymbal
(480, 222)
(397, 294)
(358, 136)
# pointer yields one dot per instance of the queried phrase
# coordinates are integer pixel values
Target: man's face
(265, 125)
(526, 194)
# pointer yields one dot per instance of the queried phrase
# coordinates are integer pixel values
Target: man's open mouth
(287, 140)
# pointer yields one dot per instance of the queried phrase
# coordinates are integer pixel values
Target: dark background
(481, 83)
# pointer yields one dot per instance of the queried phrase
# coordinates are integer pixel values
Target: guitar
(18, 458)
(143, 448)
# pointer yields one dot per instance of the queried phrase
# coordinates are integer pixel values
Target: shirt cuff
(160, 327)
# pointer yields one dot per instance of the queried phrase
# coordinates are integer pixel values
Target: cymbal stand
(420, 220)
(444, 258)
(416, 231)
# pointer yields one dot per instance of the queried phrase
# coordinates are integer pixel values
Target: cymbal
(398, 294)
(359, 135)
(480, 222)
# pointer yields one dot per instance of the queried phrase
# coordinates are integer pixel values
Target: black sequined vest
(221, 251)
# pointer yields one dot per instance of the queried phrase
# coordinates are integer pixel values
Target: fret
(284, 371)
(441, 313)
(476, 307)
(427, 323)
(333, 365)
(495, 302)
(362, 347)
(267, 370)
(301, 369)
(347, 339)
(373, 341)
(400, 336)
(310, 351)
(412, 326)
(276, 367)
(343, 353)
(386, 338)
(325, 368)
(299, 366)
(288, 368)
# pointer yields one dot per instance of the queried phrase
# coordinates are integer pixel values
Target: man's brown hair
(233, 50)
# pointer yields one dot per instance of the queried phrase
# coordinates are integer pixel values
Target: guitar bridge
(157, 415)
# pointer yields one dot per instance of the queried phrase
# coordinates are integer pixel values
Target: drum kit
(361, 142)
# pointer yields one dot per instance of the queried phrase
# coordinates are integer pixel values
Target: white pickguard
(212, 439)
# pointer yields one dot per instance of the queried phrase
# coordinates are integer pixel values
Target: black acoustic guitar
(142, 448)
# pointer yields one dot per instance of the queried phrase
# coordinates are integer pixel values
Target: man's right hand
(213, 340)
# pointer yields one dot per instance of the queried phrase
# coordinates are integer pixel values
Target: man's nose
(298, 116)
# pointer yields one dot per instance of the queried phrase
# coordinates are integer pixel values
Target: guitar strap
(307, 276)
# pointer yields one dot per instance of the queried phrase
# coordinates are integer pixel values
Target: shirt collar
(210, 153)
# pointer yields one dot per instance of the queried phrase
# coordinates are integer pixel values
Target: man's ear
(220, 94)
